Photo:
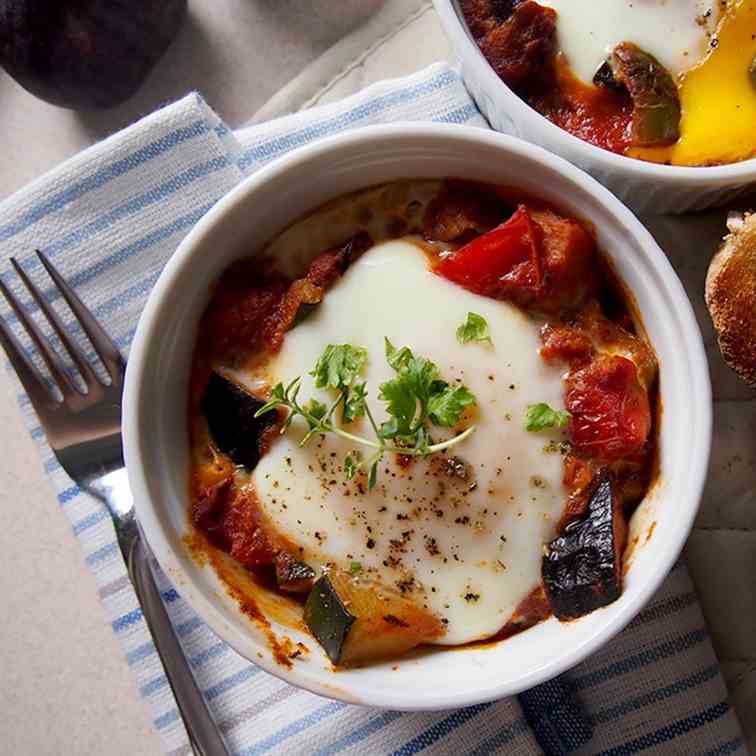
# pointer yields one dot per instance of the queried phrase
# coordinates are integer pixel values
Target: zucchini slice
(357, 620)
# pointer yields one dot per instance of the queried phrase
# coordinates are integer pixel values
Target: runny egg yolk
(718, 98)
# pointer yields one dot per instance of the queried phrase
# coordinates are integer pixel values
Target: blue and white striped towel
(109, 219)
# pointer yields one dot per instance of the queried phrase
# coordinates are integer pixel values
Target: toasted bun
(731, 296)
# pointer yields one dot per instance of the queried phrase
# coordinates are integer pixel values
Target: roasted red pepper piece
(611, 415)
(305, 293)
(537, 259)
(244, 308)
(503, 260)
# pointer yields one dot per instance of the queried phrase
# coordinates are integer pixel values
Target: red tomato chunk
(611, 415)
(536, 259)
(565, 343)
(507, 257)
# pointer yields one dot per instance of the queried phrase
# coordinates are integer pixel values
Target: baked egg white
(465, 537)
(676, 32)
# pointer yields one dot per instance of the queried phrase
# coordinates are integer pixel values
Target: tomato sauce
(596, 115)
(519, 40)
(548, 264)
(538, 258)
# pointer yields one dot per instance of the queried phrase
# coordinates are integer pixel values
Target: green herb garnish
(415, 397)
(418, 394)
(355, 567)
(540, 417)
(475, 328)
(338, 366)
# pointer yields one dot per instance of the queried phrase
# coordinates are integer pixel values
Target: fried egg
(462, 537)
(718, 97)
(708, 46)
(677, 33)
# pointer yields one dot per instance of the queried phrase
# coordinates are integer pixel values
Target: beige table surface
(67, 689)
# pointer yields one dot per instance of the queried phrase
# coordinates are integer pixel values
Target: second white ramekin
(645, 187)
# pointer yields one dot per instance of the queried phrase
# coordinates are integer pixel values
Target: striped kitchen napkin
(109, 219)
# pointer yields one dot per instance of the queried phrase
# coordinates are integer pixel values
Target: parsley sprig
(474, 329)
(541, 417)
(415, 398)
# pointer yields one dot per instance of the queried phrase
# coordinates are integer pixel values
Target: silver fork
(84, 431)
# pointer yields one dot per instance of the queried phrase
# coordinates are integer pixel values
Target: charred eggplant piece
(230, 413)
(604, 77)
(656, 101)
(503, 9)
(292, 575)
(582, 569)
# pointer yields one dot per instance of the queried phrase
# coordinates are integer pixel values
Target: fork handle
(202, 730)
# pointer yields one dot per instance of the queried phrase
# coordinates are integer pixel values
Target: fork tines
(31, 378)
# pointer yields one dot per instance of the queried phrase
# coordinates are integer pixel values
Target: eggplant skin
(503, 9)
(85, 54)
(604, 77)
(230, 414)
(292, 575)
(582, 569)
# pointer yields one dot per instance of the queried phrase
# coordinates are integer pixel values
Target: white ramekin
(155, 423)
(646, 187)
